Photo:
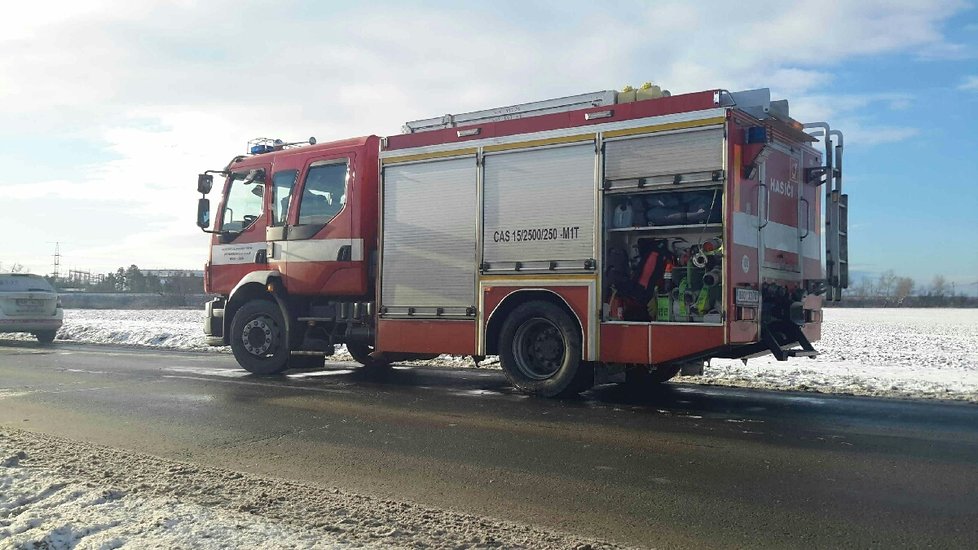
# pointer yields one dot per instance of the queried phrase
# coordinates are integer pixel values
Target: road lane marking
(226, 373)
(246, 383)
(320, 373)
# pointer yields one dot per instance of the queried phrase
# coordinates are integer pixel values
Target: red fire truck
(603, 234)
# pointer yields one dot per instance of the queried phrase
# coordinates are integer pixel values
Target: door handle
(808, 218)
(766, 218)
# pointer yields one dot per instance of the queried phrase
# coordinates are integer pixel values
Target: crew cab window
(244, 203)
(282, 184)
(324, 193)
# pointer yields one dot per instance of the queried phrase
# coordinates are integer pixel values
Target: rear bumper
(214, 322)
(18, 324)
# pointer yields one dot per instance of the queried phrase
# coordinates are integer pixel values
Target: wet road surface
(685, 466)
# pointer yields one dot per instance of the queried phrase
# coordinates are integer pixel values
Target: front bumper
(214, 322)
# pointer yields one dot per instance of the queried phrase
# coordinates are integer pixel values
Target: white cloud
(970, 84)
(175, 88)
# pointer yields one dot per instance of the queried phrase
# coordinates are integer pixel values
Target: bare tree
(887, 284)
(939, 287)
(904, 288)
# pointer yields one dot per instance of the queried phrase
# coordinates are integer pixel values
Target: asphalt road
(686, 466)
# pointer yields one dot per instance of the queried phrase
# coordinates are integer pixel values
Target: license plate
(747, 297)
(29, 302)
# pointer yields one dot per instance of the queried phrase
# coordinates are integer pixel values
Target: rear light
(59, 305)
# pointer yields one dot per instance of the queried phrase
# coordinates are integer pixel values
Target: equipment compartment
(664, 256)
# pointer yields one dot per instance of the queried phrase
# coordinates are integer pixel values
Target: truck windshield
(244, 201)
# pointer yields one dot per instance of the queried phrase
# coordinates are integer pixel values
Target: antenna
(57, 259)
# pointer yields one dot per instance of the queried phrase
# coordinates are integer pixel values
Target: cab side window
(282, 184)
(324, 193)
(244, 201)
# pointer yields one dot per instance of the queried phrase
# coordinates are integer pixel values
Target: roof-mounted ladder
(523, 110)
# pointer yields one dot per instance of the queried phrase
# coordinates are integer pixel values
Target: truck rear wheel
(258, 338)
(540, 351)
(361, 354)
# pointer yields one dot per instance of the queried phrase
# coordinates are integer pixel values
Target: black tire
(361, 354)
(45, 336)
(307, 361)
(258, 338)
(640, 376)
(540, 351)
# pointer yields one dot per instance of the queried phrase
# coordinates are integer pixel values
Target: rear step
(781, 337)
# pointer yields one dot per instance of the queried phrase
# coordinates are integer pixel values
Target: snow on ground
(39, 509)
(915, 353)
(156, 328)
(61, 494)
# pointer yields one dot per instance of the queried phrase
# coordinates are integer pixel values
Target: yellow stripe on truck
(665, 127)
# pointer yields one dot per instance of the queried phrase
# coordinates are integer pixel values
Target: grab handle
(808, 218)
(766, 217)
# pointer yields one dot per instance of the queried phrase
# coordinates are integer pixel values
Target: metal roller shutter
(429, 235)
(539, 205)
(665, 154)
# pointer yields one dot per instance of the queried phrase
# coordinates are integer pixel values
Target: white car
(28, 303)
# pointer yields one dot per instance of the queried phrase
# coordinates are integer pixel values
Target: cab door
(317, 251)
(238, 247)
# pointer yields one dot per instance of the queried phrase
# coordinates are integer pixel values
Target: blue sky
(109, 109)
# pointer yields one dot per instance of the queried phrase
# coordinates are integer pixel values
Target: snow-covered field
(915, 353)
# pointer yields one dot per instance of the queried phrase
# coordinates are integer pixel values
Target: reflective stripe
(776, 236)
(309, 250)
(234, 254)
(319, 250)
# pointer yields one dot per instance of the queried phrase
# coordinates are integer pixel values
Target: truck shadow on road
(733, 406)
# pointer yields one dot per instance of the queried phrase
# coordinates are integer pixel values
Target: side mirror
(204, 183)
(203, 213)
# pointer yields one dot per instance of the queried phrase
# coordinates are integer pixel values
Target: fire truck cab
(606, 233)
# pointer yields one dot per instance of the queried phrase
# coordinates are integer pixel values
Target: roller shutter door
(429, 230)
(685, 152)
(539, 206)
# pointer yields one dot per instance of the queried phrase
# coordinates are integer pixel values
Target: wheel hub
(259, 336)
(538, 348)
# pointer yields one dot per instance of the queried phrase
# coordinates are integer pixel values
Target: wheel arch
(255, 286)
(519, 297)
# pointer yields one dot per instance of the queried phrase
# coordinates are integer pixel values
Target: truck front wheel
(258, 338)
(540, 351)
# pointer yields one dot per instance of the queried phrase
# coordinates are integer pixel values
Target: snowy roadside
(56, 493)
(905, 353)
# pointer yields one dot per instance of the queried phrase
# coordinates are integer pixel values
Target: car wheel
(258, 338)
(540, 351)
(45, 336)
